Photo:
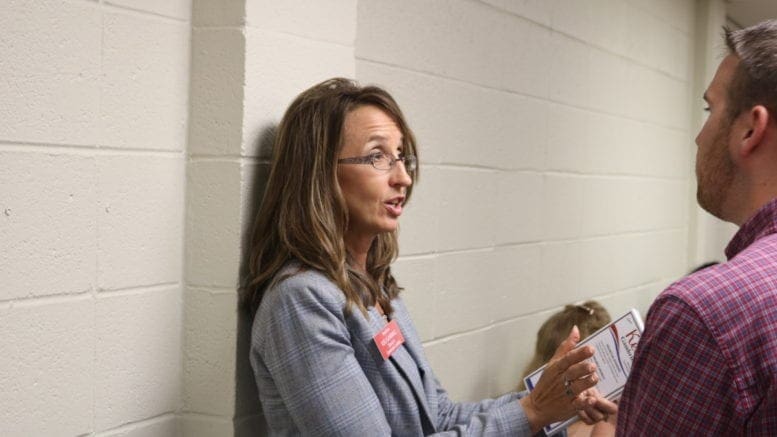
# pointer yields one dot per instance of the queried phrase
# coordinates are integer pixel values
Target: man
(707, 362)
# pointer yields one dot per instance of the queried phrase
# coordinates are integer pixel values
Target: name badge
(389, 339)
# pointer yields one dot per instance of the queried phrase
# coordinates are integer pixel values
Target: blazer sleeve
(491, 417)
(304, 344)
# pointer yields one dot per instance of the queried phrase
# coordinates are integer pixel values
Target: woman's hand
(601, 412)
(597, 408)
(556, 396)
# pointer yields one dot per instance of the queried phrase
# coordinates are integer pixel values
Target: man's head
(742, 99)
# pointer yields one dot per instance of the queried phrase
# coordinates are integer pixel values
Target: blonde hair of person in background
(589, 316)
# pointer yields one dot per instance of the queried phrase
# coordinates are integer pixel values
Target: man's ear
(753, 128)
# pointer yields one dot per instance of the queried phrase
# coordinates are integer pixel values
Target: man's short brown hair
(755, 78)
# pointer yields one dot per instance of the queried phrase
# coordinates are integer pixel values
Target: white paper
(615, 345)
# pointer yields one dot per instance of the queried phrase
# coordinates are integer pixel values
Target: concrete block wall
(249, 60)
(556, 151)
(92, 159)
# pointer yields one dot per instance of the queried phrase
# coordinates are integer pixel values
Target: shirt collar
(763, 223)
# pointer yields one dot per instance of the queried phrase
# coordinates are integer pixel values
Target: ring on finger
(568, 387)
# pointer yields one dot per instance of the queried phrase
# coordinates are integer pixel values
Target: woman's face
(374, 197)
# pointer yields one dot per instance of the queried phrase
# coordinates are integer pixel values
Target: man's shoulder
(709, 300)
(749, 276)
(728, 301)
(697, 288)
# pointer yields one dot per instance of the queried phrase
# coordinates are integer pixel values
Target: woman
(333, 348)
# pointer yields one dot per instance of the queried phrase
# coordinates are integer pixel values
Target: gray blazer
(319, 372)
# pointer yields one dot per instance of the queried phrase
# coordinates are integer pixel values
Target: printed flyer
(615, 345)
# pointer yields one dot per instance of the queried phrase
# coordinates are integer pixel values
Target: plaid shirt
(707, 362)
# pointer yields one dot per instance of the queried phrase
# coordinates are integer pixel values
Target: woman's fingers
(606, 406)
(568, 344)
(583, 415)
(591, 412)
(592, 407)
(580, 370)
(579, 375)
(575, 356)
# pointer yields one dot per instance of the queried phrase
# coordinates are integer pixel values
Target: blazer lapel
(408, 357)
(405, 362)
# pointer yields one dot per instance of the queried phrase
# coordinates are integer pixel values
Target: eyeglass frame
(409, 161)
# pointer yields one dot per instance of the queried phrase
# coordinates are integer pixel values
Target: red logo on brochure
(389, 339)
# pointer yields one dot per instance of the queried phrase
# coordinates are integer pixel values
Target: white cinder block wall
(249, 60)
(94, 108)
(556, 152)
(556, 156)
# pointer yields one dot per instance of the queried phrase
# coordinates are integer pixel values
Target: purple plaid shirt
(707, 362)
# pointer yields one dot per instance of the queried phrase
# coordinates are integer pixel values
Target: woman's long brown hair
(303, 215)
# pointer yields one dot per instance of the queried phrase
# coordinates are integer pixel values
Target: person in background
(588, 317)
(704, 266)
(707, 361)
(333, 348)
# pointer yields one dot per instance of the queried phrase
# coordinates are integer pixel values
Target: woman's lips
(394, 206)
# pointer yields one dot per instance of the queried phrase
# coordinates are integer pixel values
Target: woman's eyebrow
(379, 136)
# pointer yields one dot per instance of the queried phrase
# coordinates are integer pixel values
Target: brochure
(615, 344)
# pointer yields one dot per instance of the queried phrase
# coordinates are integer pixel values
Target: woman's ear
(755, 123)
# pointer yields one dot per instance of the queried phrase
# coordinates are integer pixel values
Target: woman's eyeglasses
(382, 161)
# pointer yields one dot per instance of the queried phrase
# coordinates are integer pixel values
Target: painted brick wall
(92, 173)
(555, 149)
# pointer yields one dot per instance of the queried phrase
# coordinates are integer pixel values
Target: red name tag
(389, 339)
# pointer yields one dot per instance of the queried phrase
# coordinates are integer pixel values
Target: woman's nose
(400, 176)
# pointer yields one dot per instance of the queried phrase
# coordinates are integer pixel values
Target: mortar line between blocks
(615, 176)
(550, 27)
(218, 290)
(82, 149)
(302, 37)
(91, 293)
(551, 172)
(199, 415)
(500, 322)
(129, 426)
(544, 99)
(110, 7)
(228, 158)
(544, 242)
(32, 301)
(475, 330)
(625, 290)
(136, 289)
(651, 12)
